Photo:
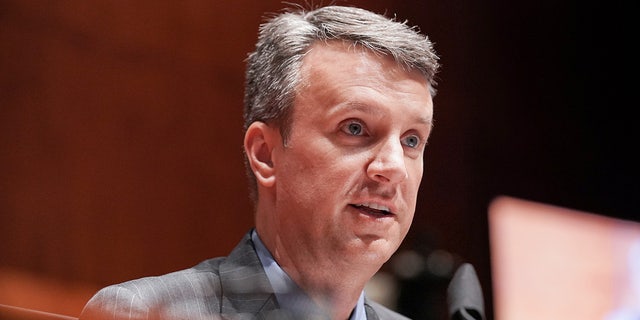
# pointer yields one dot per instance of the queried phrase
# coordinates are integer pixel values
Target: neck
(335, 292)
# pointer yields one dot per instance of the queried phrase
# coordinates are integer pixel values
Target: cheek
(320, 160)
(415, 171)
(308, 174)
(411, 193)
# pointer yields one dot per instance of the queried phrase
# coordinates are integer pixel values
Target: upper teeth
(375, 206)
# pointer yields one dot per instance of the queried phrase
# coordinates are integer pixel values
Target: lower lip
(371, 225)
(372, 214)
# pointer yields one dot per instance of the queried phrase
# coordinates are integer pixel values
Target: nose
(388, 163)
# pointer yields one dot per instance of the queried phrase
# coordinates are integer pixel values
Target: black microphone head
(464, 295)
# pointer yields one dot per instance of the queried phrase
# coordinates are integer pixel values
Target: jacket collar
(245, 286)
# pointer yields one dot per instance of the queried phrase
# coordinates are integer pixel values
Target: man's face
(348, 177)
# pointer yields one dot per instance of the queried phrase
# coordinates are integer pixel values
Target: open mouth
(373, 209)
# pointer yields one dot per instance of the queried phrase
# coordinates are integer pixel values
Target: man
(338, 109)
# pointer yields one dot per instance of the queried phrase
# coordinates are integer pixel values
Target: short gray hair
(273, 69)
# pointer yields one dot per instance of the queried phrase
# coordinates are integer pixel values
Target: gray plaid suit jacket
(235, 287)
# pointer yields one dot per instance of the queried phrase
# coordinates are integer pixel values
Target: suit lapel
(245, 286)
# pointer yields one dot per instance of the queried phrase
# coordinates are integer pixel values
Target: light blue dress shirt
(289, 295)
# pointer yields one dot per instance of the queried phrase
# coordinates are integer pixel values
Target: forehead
(349, 56)
(336, 72)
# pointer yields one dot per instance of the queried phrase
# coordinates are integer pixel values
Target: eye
(353, 128)
(412, 141)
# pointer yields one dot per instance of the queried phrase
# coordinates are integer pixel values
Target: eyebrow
(366, 108)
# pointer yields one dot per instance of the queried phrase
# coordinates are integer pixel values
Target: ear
(259, 141)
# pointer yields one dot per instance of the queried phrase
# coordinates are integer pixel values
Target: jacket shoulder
(194, 290)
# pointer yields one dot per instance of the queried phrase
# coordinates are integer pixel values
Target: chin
(379, 250)
(375, 259)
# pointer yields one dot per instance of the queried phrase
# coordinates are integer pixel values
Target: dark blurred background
(120, 135)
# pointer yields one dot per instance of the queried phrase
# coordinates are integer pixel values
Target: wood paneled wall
(120, 139)
(120, 129)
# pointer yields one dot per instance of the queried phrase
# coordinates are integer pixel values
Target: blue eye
(354, 128)
(412, 141)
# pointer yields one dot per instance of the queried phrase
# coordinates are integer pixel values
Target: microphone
(464, 295)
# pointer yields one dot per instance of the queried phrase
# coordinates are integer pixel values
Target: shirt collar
(287, 292)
